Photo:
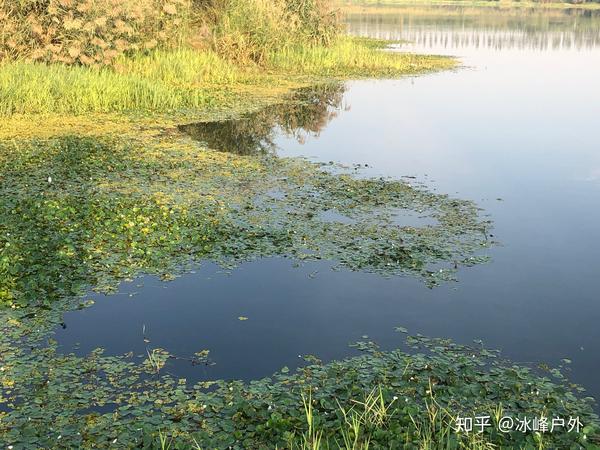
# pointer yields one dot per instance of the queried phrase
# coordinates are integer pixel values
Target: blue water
(516, 129)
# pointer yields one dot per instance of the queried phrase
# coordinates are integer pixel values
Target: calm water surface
(517, 130)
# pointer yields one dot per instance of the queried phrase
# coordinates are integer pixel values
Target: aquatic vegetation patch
(381, 399)
(81, 211)
(89, 211)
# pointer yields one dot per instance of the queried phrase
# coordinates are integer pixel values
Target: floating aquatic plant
(89, 211)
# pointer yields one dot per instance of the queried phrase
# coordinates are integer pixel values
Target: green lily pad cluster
(81, 212)
(378, 400)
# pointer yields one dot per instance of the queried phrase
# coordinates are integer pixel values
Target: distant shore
(365, 5)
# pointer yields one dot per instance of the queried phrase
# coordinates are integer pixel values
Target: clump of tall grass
(248, 30)
(161, 81)
(362, 423)
(97, 32)
(89, 32)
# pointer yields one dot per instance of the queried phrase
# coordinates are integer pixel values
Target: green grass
(161, 81)
(187, 79)
(352, 57)
(183, 67)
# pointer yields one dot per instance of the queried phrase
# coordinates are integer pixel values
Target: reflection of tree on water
(307, 112)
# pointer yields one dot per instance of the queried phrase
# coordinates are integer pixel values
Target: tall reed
(89, 32)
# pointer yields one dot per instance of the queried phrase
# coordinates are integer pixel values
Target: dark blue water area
(517, 132)
(296, 310)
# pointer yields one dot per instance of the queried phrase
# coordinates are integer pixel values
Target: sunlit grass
(352, 57)
(182, 67)
(27, 87)
(187, 79)
(164, 80)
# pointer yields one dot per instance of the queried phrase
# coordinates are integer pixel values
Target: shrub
(88, 32)
(96, 32)
(319, 22)
(252, 29)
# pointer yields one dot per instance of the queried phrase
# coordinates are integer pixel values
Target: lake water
(516, 130)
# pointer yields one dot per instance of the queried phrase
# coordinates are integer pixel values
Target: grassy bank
(81, 57)
(186, 79)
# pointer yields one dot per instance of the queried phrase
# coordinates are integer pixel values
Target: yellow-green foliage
(354, 57)
(319, 20)
(190, 79)
(88, 32)
(161, 81)
(97, 32)
(84, 56)
(181, 67)
(251, 29)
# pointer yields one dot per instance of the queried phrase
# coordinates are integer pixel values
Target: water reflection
(520, 127)
(306, 113)
(488, 28)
